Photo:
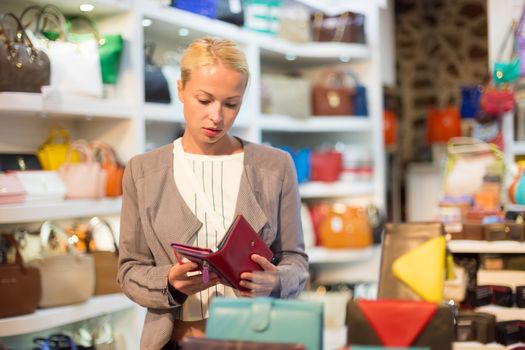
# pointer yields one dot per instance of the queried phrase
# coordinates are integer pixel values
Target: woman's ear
(180, 91)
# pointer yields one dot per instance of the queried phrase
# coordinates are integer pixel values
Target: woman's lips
(211, 132)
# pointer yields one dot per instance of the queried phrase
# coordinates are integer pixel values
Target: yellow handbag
(52, 154)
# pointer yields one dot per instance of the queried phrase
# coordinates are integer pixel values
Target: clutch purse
(233, 256)
(413, 262)
(267, 320)
(400, 323)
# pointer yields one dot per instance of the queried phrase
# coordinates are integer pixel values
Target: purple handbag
(520, 42)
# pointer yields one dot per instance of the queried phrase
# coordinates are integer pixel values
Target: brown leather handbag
(348, 27)
(20, 289)
(331, 97)
(23, 68)
(106, 262)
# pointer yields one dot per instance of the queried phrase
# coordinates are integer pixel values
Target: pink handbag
(11, 189)
(85, 179)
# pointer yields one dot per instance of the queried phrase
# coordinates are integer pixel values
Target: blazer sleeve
(139, 277)
(289, 243)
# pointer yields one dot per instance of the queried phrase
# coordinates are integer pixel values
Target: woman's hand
(261, 283)
(181, 278)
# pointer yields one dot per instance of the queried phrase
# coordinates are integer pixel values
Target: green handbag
(109, 49)
(507, 71)
(267, 320)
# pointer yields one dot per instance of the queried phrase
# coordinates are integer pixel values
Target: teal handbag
(267, 320)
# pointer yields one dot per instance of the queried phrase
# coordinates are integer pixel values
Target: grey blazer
(154, 215)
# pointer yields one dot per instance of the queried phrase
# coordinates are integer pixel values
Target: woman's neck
(225, 146)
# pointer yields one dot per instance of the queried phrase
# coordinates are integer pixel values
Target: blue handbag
(360, 101)
(267, 320)
(206, 8)
(470, 96)
(301, 160)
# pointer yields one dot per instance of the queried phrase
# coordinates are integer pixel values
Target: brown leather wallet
(508, 231)
(473, 231)
(193, 343)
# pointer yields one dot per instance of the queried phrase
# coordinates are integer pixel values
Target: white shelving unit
(503, 313)
(497, 247)
(129, 124)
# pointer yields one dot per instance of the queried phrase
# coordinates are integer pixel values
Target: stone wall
(441, 45)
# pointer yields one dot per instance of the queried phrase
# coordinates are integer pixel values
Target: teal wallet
(267, 320)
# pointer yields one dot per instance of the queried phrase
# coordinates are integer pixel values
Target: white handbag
(42, 185)
(294, 23)
(287, 96)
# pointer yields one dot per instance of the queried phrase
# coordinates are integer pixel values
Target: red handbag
(443, 125)
(233, 256)
(497, 101)
(326, 166)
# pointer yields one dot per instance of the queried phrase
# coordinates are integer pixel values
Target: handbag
(413, 262)
(52, 153)
(109, 164)
(294, 23)
(467, 162)
(345, 227)
(443, 125)
(11, 189)
(262, 16)
(106, 261)
(289, 96)
(266, 320)
(85, 179)
(475, 326)
(42, 185)
(507, 71)
(19, 161)
(203, 7)
(330, 96)
(156, 86)
(520, 42)
(110, 46)
(66, 278)
(470, 96)
(23, 67)
(21, 292)
(75, 66)
(231, 11)
(497, 100)
(400, 323)
(326, 166)
(348, 27)
(301, 160)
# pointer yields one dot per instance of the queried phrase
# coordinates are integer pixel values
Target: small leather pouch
(326, 166)
(194, 343)
(508, 231)
(510, 332)
(492, 262)
(378, 322)
(11, 161)
(489, 294)
(11, 189)
(475, 326)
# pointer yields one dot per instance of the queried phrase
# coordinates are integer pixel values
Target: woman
(190, 191)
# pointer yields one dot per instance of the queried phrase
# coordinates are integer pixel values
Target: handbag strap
(10, 238)
(83, 147)
(106, 151)
(45, 233)
(20, 36)
(55, 133)
(44, 15)
(91, 24)
(505, 42)
(521, 23)
(341, 26)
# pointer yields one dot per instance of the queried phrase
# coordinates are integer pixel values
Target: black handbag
(156, 86)
(13, 161)
(231, 11)
(23, 68)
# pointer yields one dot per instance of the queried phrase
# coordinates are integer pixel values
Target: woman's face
(212, 98)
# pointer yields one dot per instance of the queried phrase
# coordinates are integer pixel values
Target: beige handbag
(85, 179)
(286, 95)
(106, 261)
(66, 278)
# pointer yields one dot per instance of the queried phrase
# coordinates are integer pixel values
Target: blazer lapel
(170, 217)
(247, 204)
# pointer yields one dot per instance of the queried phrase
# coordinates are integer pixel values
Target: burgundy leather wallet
(233, 256)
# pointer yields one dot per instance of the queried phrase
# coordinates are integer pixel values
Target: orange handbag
(345, 227)
(390, 127)
(107, 157)
(443, 124)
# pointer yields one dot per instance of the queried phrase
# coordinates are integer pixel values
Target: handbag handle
(19, 260)
(83, 147)
(106, 151)
(519, 29)
(506, 40)
(20, 37)
(45, 233)
(95, 221)
(55, 133)
(91, 23)
(339, 30)
(45, 14)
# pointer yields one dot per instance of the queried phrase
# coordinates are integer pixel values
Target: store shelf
(101, 7)
(518, 148)
(314, 124)
(321, 255)
(44, 319)
(163, 112)
(474, 345)
(503, 313)
(315, 189)
(481, 247)
(84, 107)
(40, 211)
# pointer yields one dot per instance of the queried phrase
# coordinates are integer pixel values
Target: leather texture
(434, 330)
(475, 326)
(398, 240)
(267, 320)
(347, 27)
(20, 285)
(106, 267)
(23, 68)
(11, 189)
(508, 231)
(233, 256)
(193, 343)
(114, 171)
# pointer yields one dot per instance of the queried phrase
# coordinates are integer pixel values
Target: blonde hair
(212, 51)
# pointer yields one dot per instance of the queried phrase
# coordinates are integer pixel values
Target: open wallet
(413, 262)
(400, 323)
(233, 255)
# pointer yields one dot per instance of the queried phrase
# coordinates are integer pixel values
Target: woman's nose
(216, 113)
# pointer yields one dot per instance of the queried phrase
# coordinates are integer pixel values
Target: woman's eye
(204, 102)
(231, 105)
